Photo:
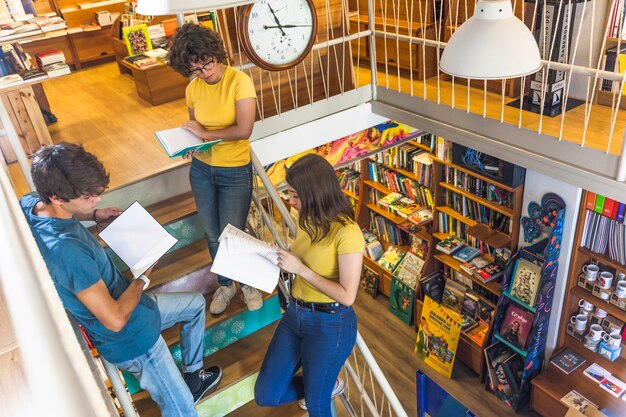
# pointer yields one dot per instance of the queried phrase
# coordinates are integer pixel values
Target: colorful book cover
(369, 282)
(432, 286)
(404, 206)
(494, 355)
(401, 300)
(438, 336)
(612, 385)
(607, 210)
(478, 333)
(516, 325)
(591, 200)
(389, 198)
(137, 39)
(409, 269)
(421, 216)
(526, 280)
(567, 360)
(390, 259)
(476, 263)
(621, 212)
(490, 272)
(599, 204)
(596, 372)
(453, 295)
(466, 254)
(450, 245)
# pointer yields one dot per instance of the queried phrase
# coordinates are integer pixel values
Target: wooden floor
(392, 343)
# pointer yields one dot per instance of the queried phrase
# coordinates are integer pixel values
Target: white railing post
(621, 164)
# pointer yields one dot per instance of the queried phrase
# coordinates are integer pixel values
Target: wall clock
(277, 34)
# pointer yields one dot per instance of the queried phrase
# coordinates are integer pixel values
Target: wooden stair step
(236, 306)
(250, 409)
(179, 263)
(238, 361)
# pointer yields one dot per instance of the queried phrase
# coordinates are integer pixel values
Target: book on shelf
(471, 266)
(466, 254)
(148, 63)
(485, 311)
(390, 259)
(137, 238)
(156, 53)
(453, 295)
(470, 305)
(478, 333)
(575, 400)
(516, 325)
(409, 227)
(567, 360)
(50, 23)
(612, 385)
(494, 355)
(56, 69)
(509, 374)
(432, 286)
(369, 282)
(51, 56)
(34, 74)
(387, 200)
(88, 27)
(420, 216)
(409, 269)
(419, 246)
(404, 206)
(134, 58)
(374, 250)
(450, 245)
(178, 141)
(10, 80)
(489, 272)
(526, 281)
(401, 300)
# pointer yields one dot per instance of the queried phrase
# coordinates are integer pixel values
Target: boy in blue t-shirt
(122, 321)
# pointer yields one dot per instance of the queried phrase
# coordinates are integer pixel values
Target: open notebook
(137, 238)
(178, 141)
(246, 259)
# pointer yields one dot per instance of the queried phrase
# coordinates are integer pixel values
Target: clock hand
(276, 20)
(287, 26)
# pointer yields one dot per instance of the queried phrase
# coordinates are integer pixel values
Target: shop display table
(157, 85)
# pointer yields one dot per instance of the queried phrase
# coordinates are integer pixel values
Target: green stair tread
(238, 361)
(250, 409)
(236, 306)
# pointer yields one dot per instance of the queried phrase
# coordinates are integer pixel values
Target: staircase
(236, 340)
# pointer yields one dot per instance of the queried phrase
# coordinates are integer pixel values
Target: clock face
(278, 34)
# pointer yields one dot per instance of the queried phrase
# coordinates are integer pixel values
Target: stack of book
(52, 62)
(50, 23)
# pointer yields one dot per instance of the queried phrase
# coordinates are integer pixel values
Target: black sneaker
(209, 379)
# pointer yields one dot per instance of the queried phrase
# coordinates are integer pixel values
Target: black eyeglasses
(206, 67)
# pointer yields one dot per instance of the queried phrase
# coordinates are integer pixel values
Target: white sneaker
(340, 387)
(221, 298)
(252, 297)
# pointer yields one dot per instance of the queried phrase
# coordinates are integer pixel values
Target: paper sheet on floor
(247, 260)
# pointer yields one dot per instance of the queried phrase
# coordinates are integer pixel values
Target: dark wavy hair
(67, 171)
(194, 43)
(321, 198)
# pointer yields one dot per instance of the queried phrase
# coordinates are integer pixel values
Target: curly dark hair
(194, 43)
(321, 198)
(67, 171)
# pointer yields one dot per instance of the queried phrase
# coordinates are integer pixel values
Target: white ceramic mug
(606, 279)
(604, 295)
(600, 313)
(620, 289)
(613, 339)
(591, 344)
(586, 305)
(596, 332)
(579, 321)
(591, 272)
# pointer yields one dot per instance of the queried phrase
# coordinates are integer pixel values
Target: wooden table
(158, 85)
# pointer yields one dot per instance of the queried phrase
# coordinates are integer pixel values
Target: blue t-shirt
(76, 261)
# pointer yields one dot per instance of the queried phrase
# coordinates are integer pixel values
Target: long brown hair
(322, 201)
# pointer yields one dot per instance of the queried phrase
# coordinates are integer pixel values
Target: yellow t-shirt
(321, 257)
(214, 107)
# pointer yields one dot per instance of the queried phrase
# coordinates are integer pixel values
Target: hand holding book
(182, 142)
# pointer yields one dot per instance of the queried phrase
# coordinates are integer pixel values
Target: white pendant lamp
(166, 7)
(492, 44)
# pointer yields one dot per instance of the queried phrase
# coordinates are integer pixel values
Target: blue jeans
(156, 370)
(223, 195)
(318, 342)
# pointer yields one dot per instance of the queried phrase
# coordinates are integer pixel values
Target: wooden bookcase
(552, 384)
(469, 351)
(607, 98)
(364, 207)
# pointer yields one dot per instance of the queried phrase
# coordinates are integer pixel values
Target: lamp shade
(166, 7)
(492, 44)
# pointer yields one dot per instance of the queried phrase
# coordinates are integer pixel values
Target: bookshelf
(552, 384)
(463, 197)
(392, 174)
(615, 29)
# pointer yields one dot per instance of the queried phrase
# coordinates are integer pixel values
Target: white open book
(179, 141)
(247, 260)
(137, 238)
